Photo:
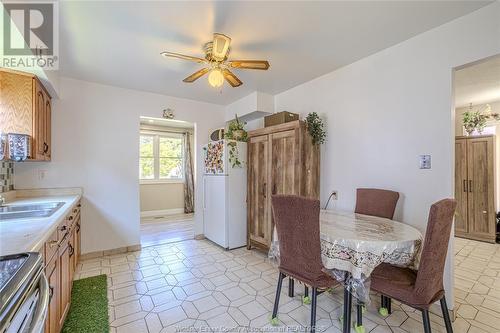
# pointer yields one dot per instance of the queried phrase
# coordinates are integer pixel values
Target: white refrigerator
(224, 193)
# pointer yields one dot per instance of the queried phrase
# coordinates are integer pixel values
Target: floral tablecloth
(358, 243)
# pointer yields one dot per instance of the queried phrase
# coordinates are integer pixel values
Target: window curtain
(188, 176)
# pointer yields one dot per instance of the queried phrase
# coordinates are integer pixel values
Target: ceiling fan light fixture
(216, 78)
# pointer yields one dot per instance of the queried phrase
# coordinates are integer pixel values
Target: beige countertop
(25, 235)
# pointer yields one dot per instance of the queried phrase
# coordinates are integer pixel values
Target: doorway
(166, 189)
(477, 191)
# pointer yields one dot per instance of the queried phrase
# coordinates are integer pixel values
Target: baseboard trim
(162, 212)
(119, 250)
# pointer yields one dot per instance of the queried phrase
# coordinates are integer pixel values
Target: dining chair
(420, 289)
(376, 202)
(380, 203)
(297, 225)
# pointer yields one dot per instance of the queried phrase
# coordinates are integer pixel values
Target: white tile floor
(195, 286)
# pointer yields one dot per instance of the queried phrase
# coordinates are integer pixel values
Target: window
(161, 157)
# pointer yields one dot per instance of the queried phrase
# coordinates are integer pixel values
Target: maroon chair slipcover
(420, 289)
(297, 225)
(375, 202)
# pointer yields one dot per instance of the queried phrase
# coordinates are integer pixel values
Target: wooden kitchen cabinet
(475, 188)
(61, 255)
(25, 108)
(64, 282)
(52, 272)
(281, 160)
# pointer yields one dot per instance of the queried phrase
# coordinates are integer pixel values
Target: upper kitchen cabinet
(25, 108)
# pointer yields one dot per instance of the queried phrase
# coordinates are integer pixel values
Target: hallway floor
(167, 229)
(172, 287)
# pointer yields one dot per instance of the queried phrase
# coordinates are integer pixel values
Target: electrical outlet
(335, 195)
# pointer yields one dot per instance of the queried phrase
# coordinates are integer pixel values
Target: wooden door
(258, 191)
(64, 289)
(284, 167)
(39, 117)
(284, 157)
(461, 187)
(47, 130)
(52, 271)
(481, 196)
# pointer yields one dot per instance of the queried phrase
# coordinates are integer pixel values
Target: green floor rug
(89, 306)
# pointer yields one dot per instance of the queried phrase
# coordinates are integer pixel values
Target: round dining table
(352, 245)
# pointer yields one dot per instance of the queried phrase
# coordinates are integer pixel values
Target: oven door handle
(40, 314)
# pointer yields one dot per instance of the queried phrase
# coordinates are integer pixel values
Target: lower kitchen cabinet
(64, 282)
(61, 258)
(52, 272)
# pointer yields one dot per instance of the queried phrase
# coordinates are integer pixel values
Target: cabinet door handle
(70, 218)
(63, 228)
(71, 250)
(470, 185)
(78, 227)
(465, 185)
(264, 190)
(45, 147)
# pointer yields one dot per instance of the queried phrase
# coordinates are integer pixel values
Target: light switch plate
(424, 161)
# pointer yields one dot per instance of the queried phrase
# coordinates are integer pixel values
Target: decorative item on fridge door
(214, 159)
(3, 146)
(236, 131)
(19, 146)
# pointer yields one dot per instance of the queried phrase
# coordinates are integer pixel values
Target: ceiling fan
(218, 66)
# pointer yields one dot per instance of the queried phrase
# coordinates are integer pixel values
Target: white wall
(161, 196)
(95, 145)
(383, 111)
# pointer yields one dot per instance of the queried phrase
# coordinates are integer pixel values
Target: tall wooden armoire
(281, 160)
(475, 188)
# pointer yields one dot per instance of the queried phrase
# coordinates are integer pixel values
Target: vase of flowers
(475, 121)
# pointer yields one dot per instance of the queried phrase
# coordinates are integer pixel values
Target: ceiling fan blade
(195, 76)
(249, 64)
(220, 47)
(231, 78)
(183, 56)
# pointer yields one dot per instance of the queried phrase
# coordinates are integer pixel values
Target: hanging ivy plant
(236, 131)
(234, 155)
(315, 128)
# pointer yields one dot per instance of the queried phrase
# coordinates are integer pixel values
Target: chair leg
(291, 287)
(385, 304)
(388, 304)
(359, 316)
(306, 299)
(426, 320)
(274, 318)
(446, 315)
(347, 311)
(313, 309)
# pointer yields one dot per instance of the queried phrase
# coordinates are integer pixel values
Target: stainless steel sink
(45, 209)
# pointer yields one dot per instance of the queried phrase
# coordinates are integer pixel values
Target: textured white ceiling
(119, 42)
(478, 83)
